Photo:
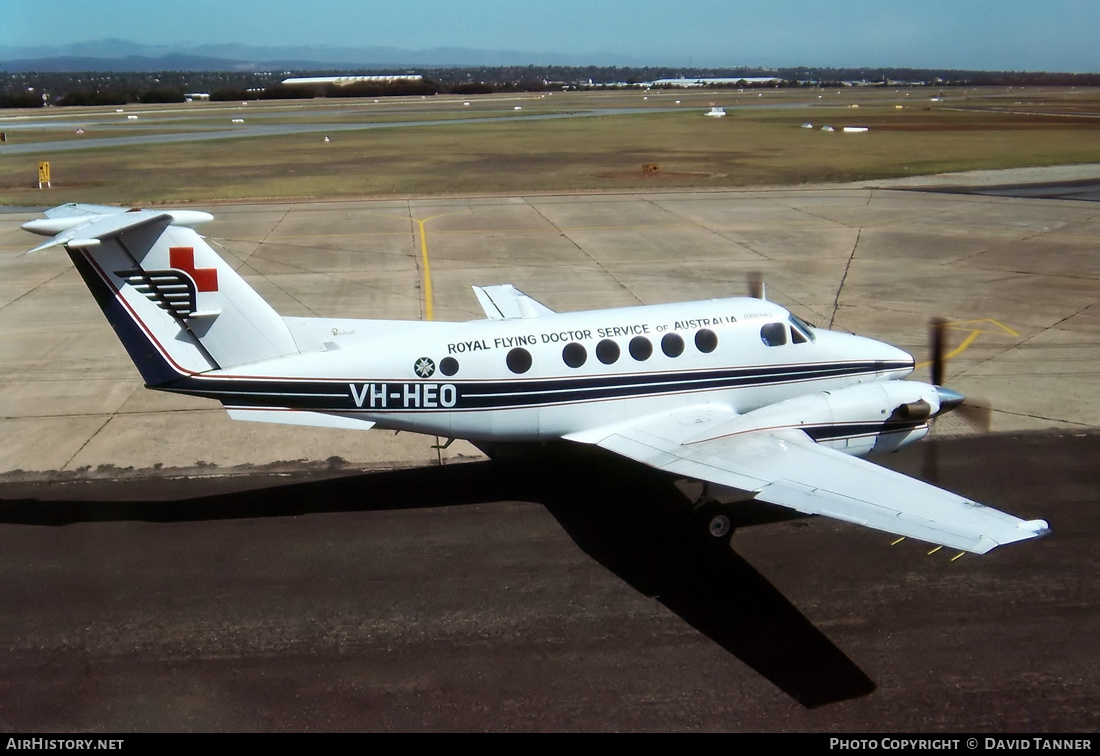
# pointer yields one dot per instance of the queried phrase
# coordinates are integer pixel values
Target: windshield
(803, 326)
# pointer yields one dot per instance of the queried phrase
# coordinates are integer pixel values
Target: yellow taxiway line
(971, 337)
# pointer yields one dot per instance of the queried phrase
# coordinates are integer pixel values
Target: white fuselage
(555, 375)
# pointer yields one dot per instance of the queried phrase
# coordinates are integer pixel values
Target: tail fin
(176, 305)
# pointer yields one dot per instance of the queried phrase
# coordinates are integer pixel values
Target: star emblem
(424, 367)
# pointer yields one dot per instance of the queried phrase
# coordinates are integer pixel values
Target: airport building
(343, 81)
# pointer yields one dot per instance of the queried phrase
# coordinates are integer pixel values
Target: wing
(785, 467)
(505, 302)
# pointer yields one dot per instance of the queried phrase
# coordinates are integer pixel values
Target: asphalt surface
(1085, 189)
(549, 593)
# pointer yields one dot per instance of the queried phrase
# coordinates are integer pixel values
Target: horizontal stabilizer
(73, 222)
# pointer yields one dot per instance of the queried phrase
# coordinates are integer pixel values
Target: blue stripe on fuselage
(398, 395)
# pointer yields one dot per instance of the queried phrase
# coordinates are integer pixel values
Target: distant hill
(124, 56)
(128, 64)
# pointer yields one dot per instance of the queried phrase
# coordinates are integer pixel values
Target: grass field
(759, 142)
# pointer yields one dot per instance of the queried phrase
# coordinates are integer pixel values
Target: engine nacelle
(871, 418)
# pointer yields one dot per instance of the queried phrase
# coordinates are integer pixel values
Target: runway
(259, 121)
(167, 569)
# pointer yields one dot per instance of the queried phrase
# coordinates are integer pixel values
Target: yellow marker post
(43, 173)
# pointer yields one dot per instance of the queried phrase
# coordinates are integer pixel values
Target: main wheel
(719, 526)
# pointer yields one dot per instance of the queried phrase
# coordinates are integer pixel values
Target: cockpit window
(801, 325)
(774, 334)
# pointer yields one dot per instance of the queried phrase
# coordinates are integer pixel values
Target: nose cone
(949, 399)
(890, 362)
(893, 362)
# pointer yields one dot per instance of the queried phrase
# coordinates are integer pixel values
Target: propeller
(755, 281)
(977, 413)
(974, 412)
(937, 340)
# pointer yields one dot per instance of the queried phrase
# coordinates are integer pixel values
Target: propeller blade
(977, 413)
(938, 342)
(756, 285)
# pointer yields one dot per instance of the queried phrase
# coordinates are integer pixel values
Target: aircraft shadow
(631, 520)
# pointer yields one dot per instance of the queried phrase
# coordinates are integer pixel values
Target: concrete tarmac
(168, 569)
(1018, 278)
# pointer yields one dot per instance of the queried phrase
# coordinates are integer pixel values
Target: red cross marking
(183, 258)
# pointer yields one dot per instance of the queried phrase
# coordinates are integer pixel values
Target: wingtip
(1036, 527)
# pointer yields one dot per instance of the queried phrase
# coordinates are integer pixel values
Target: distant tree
(471, 88)
(228, 94)
(22, 100)
(283, 92)
(162, 95)
(95, 98)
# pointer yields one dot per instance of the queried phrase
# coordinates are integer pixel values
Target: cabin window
(518, 360)
(706, 340)
(448, 366)
(774, 334)
(574, 355)
(672, 345)
(607, 351)
(640, 348)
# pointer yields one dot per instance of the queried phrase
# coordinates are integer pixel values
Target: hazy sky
(1053, 35)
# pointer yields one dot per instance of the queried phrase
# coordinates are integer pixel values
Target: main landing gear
(714, 520)
(712, 508)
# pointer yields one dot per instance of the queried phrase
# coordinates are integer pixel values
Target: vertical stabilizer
(177, 306)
